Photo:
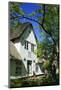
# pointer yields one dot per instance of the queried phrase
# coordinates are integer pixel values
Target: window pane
(32, 47)
(18, 68)
(29, 67)
(36, 67)
(26, 45)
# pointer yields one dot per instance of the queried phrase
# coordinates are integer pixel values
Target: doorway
(29, 66)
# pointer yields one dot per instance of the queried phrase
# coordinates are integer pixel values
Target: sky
(28, 8)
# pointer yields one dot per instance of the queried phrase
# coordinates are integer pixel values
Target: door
(29, 67)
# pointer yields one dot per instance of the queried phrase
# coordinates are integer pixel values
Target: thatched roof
(16, 33)
(13, 51)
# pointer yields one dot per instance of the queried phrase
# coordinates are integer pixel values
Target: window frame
(26, 45)
(18, 68)
(32, 47)
(36, 67)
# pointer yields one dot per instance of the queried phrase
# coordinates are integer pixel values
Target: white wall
(20, 45)
(28, 35)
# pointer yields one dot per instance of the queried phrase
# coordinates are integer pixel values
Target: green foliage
(39, 11)
(15, 10)
(51, 20)
(46, 64)
(51, 17)
(15, 7)
(42, 81)
(40, 48)
(32, 14)
(46, 51)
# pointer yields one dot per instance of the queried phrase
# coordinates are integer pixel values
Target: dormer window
(26, 45)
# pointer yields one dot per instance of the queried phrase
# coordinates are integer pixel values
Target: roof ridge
(19, 31)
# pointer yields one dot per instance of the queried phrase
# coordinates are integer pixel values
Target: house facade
(25, 42)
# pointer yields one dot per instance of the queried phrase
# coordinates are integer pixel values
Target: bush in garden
(43, 81)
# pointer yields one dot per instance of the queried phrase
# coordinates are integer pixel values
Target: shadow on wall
(17, 68)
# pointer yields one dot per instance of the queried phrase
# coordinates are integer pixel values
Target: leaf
(39, 11)
(21, 12)
(32, 14)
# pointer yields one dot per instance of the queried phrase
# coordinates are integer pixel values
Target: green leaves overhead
(21, 12)
(14, 7)
(15, 11)
(51, 17)
(39, 11)
(32, 14)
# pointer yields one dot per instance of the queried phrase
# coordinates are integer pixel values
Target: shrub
(43, 81)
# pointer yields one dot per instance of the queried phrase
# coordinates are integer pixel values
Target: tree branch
(43, 15)
(21, 17)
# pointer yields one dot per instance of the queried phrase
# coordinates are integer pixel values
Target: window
(29, 54)
(34, 61)
(29, 67)
(18, 68)
(24, 59)
(32, 47)
(26, 45)
(29, 31)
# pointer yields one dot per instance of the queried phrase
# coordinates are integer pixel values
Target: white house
(23, 43)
